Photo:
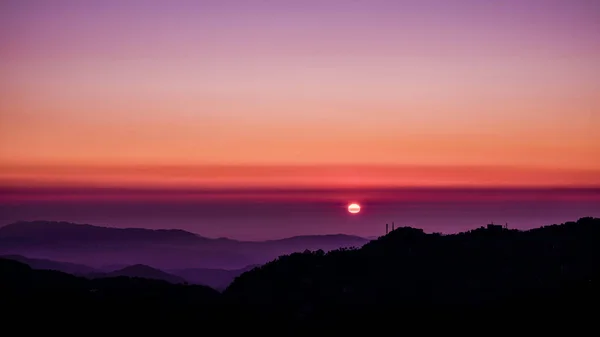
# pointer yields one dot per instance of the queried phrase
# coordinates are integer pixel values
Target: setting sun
(354, 208)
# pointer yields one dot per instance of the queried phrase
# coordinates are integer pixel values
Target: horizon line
(368, 238)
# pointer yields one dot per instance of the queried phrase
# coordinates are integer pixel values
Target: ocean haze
(274, 214)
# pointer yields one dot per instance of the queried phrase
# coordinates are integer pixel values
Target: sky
(298, 94)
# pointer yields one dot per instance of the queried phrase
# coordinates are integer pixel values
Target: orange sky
(318, 97)
(327, 176)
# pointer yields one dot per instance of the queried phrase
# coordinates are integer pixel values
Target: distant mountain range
(168, 250)
(147, 272)
(45, 264)
(217, 279)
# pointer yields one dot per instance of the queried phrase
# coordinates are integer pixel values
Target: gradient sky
(339, 93)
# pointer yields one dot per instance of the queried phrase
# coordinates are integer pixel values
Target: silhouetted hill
(139, 270)
(164, 249)
(552, 270)
(217, 279)
(46, 294)
(44, 264)
(147, 272)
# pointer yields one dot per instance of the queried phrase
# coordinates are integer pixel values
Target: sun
(354, 208)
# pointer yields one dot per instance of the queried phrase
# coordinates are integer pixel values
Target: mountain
(147, 272)
(97, 246)
(113, 301)
(215, 278)
(47, 232)
(409, 274)
(44, 264)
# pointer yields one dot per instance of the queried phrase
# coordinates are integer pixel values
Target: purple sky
(164, 95)
(269, 214)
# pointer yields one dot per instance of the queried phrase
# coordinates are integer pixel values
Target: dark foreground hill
(68, 300)
(491, 277)
(407, 275)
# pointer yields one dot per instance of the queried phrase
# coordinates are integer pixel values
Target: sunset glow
(367, 95)
(197, 114)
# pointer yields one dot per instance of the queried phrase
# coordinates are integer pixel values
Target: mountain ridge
(47, 264)
(19, 228)
(145, 271)
(215, 278)
(40, 227)
(98, 246)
